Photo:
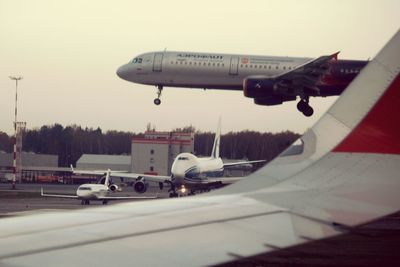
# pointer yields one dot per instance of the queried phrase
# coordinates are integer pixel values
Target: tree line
(70, 142)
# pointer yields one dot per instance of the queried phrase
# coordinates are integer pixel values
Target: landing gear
(85, 202)
(172, 190)
(173, 194)
(105, 202)
(157, 101)
(305, 108)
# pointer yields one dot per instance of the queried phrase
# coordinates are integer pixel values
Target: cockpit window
(137, 60)
(183, 158)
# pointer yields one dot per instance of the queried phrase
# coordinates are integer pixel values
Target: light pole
(16, 79)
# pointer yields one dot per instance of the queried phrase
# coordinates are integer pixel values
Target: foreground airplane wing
(346, 173)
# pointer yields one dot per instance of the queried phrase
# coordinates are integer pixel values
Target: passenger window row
(190, 63)
(251, 66)
(349, 70)
(255, 66)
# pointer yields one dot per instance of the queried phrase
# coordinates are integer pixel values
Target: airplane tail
(215, 150)
(107, 179)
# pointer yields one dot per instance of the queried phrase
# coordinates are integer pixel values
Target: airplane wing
(58, 196)
(306, 75)
(135, 197)
(301, 81)
(127, 175)
(228, 180)
(233, 164)
(346, 174)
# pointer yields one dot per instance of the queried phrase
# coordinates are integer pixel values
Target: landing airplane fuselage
(225, 71)
(270, 80)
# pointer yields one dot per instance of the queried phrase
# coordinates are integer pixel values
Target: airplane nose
(123, 72)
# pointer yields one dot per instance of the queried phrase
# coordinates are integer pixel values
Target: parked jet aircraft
(345, 174)
(97, 192)
(268, 80)
(188, 172)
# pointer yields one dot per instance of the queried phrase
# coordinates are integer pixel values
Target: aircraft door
(157, 62)
(234, 66)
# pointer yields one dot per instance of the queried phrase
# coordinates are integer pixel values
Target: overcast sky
(68, 53)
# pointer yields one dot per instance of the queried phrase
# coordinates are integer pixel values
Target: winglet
(72, 168)
(41, 191)
(335, 55)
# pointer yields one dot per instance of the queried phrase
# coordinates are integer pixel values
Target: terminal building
(156, 151)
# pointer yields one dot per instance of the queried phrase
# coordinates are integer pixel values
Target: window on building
(152, 151)
(151, 168)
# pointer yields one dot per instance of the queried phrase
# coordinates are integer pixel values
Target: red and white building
(156, 151)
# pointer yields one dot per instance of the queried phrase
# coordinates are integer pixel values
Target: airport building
(152, 154)
(34, 166)
(156, 151)
(104, 162)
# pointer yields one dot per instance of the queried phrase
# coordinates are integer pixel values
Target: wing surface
(58, 196)
(345, 174)
(126, 175)
(121, 198)
(308, 74)
(233, 164)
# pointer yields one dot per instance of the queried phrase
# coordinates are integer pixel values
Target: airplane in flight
(269, 80)
(344, 174)
(96, 192)
(188, 173)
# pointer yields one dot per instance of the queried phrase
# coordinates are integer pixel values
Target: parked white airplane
(346, 173)
(189, 173)
(95, 192)
(268, 80)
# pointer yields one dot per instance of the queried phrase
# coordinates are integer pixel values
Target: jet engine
(140, 186)
(267, 92)
(113, 187)
(259, 87)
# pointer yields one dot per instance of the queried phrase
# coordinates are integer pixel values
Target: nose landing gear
(157, 101)
(305, 108)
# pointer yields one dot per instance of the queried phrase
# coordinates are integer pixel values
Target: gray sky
(68, 52)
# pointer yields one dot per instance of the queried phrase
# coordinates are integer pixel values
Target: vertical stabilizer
(215, 150)
(107, 179)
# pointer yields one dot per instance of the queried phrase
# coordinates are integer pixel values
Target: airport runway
(26, 198)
